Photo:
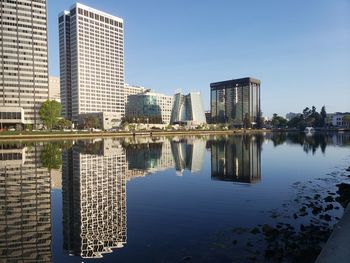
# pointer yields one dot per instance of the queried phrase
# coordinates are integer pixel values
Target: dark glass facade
(233, 101)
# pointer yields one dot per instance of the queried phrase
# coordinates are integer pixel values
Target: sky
(300, 50)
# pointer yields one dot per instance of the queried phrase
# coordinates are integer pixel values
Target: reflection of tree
(51, 157)
(278, 138)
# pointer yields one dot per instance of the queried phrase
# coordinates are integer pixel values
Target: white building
(154, 107)
(24, 72)
(188, 109)
(337, 119)
(54, 88)
(91, 62)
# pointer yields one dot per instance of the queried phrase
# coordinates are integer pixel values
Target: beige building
(24, 59)
(54, 88)
(91, 46)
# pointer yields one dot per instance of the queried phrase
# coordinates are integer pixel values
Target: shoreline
(87, 135)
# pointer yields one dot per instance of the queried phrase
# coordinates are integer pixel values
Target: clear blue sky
(300, 50)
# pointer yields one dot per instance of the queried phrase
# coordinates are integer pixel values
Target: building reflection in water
(25, 214)
(188, 153)
(236, 159)
(152, 155)
(94, 198)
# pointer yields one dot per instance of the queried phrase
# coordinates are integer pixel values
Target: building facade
(235, 101)
(154, 107)
(24, 80)
(188, 109)
(91, 62)
(54, 88)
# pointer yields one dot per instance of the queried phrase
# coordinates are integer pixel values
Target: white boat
(309, 131)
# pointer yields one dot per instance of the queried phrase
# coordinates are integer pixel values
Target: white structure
(188, 109)
(91, 62)
(54, 88)
(155, 107)
(24, 70)
(337, 119)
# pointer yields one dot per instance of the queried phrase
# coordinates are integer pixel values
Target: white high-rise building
(24, 66)
(91, 62)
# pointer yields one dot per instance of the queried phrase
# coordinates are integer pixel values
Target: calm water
(178, 199)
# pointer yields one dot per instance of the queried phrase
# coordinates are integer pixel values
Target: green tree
(323, 114)
(64, 124)
(49, 113)
(278, 121)
(51, 156)
(92, 122)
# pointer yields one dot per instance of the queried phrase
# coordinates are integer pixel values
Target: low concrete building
(337, 119)
(11, 117)
(106, 120)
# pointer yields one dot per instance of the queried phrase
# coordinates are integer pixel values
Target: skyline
(175, 51)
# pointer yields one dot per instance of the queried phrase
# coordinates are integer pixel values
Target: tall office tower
(91, 62)
(235, 101)
(25, 201)
(24, 83)
(94, 198)
(188, 109)
(236, 159)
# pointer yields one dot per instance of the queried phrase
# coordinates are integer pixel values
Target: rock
(329, 199)
(255, 230)
(186, 258)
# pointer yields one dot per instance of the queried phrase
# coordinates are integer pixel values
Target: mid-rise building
(54, 88)
(151, 107)
(91, 62)
(188, 109)
(24, 83)
(236, 101)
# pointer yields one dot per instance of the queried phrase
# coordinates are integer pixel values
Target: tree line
(308, 118)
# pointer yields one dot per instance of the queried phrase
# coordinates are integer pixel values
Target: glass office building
(235, 101)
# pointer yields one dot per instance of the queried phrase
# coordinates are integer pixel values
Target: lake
(245, 198)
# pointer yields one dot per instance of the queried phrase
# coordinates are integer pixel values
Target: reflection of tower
(236, 159)
(94, 207)
(25, 214)
(188, 153)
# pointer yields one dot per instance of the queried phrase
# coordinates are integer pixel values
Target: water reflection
(94, 177)
(25, 215)
(236, 159)
(94, 198)
(310, 143)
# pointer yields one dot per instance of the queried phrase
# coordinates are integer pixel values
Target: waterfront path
(337, 248)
